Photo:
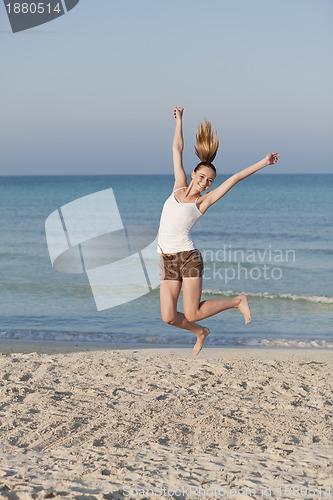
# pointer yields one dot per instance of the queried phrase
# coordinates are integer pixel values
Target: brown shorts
(176, 266)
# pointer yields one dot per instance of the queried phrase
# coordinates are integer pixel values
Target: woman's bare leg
(196, 311)
(169, 293)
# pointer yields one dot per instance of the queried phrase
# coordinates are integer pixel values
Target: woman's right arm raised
(177, 150)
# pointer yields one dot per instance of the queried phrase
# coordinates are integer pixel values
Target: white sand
(103, 424)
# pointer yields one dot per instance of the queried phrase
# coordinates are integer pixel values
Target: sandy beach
(86, 422)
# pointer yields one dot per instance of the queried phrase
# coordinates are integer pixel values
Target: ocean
(270, 237)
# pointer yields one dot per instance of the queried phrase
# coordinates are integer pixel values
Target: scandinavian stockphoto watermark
(121, 262)
(191, 491)
(229, 264)
(24, 15)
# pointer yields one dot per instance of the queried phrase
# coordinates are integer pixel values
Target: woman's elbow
(236, 178)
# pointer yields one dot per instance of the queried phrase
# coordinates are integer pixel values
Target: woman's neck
(191, 192)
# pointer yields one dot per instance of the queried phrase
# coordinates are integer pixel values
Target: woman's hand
(272, 158)
(178, 112)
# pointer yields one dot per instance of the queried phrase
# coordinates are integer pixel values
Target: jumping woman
(180, 262)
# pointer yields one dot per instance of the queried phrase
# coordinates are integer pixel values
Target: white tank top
(177, 220)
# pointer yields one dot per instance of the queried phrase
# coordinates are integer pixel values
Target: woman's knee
(169, 318)
(191, 316)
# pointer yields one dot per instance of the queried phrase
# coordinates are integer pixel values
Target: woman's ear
(192, 174)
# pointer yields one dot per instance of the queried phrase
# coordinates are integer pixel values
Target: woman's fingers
(178, 111)
(272, 158)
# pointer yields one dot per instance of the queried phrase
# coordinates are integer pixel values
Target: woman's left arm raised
(215, 195)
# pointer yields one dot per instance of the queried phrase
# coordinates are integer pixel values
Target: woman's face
(203, 178)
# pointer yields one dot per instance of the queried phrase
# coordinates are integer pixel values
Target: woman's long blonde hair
(207, 142)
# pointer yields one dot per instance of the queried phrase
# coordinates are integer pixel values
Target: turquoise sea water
(271, 237)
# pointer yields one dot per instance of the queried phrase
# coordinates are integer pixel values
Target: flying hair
(207, 142)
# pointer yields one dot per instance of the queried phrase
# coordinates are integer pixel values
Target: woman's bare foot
(201, 338)
(244, 308)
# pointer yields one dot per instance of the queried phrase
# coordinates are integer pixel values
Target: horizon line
(155, 174)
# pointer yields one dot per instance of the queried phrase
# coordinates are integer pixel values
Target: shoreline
(10, 346)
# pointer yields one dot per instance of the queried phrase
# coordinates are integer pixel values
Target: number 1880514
(32, 8)
(305, 491)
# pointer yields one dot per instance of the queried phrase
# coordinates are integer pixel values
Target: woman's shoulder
(178, 188)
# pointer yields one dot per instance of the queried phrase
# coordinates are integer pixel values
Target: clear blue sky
(92, 92)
